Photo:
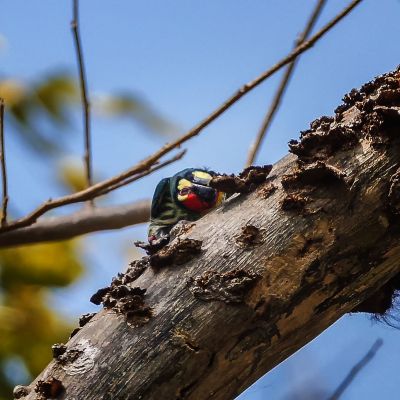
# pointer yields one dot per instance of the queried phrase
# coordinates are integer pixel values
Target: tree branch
(87, 194)
(244, 287)
(85, 103)
(67, 227)
(144, 165)
(356, 370)
(85, 221)
(135, 178)
(255, 147)
(3, 166)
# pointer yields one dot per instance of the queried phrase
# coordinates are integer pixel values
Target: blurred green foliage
(41, 113)
(28, 324)
(71, 174)
(28, 106)
(32, 108)
(129, 106)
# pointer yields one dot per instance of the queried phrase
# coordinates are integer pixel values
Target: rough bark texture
(276, 267)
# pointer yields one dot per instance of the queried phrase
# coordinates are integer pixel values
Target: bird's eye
(184, 191)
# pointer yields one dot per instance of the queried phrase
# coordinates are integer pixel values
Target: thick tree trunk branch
(80, 223)
(246, 286)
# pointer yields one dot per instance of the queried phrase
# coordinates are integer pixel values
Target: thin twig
(99, 189)
(356, 369)
(85, 103)
(94, 219)
(141, 175)
(85, 221)
(255, 147)
(3, 166)
(146, 164)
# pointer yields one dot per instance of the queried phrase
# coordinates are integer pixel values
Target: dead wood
(272, 269)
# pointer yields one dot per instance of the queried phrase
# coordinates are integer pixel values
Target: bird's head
(192, 190)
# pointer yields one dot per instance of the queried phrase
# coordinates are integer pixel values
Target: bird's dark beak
(205, 192)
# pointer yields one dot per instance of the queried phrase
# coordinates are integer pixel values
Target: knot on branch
(178, 252)
(245, 182)
(294, 202)
(135, 269)
(229, 287)
(49, 389)
(267, 190)
(249, 236)
(58, 349)
(20, 391)
(78, 358)
(370, 113)
(317, 173)
(85, 318)
(128, 301)
(124, 299)
(320, 144)
(154, 246)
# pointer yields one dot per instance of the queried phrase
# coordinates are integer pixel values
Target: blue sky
(185, 59)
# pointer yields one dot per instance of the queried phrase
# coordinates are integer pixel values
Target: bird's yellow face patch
(182, 184)
(202, 175)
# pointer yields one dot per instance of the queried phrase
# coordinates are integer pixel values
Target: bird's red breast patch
(195, 203)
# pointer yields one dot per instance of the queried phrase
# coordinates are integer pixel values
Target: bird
(183, 196)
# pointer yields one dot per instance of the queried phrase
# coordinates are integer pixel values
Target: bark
(246, 286)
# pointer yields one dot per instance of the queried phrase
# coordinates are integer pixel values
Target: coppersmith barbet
(184, 196)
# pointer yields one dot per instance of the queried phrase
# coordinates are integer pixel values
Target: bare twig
(99, 189)
(255, 147)
(85, 103)
(146, 164)
(136, 177)
(85, 221)
(356, 369)
(3, 166)
(89, 220)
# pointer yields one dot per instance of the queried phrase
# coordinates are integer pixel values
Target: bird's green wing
(161, 197)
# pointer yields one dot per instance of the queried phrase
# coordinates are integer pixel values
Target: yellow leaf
(47, 264)
(12, 91)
